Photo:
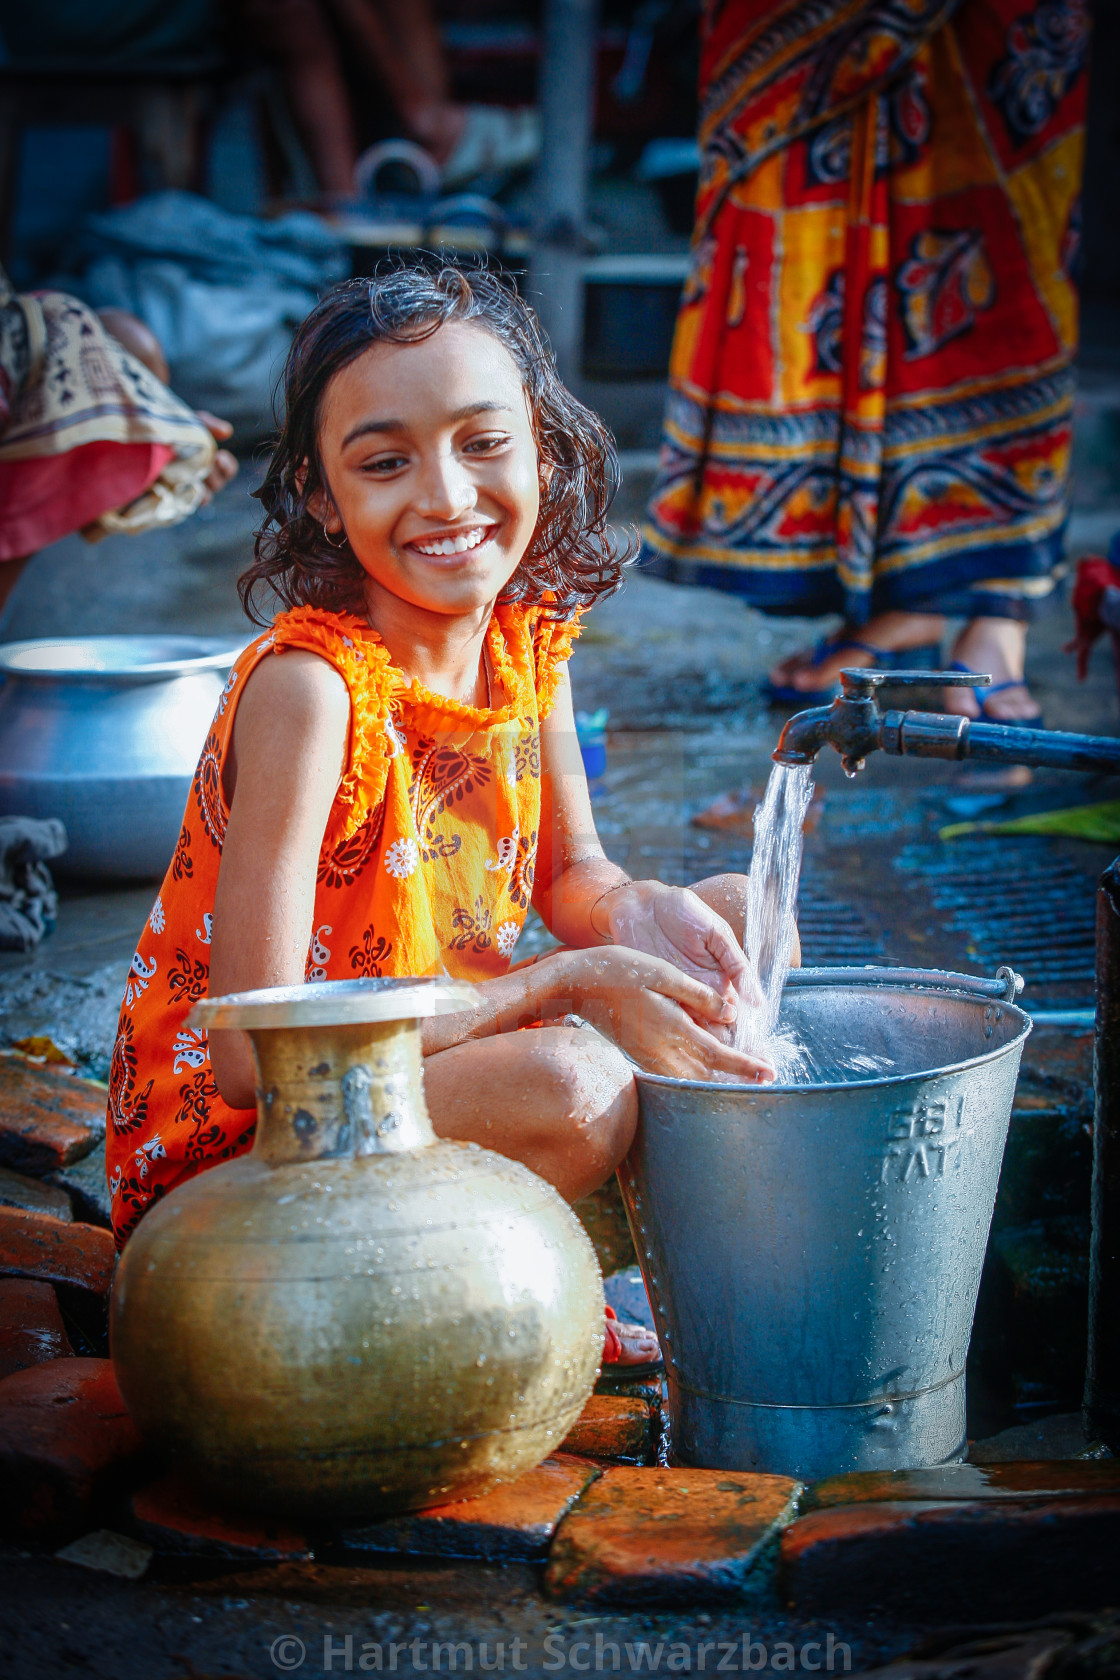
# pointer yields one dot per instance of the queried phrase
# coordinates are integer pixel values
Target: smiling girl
(392, 775)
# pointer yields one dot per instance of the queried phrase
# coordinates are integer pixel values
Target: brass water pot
(356, 1317)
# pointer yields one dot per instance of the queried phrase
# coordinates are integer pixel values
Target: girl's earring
(327, 535)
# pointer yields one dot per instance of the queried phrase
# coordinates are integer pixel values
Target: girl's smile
(428, 451)
(458, 541)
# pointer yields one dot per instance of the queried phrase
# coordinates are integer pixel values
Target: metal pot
(813, 1253)
(355, 1317)
(105, 732)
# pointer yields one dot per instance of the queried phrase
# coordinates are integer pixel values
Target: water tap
(855, 725)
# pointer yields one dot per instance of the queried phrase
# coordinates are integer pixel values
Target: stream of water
(771, 918)
(771, 911)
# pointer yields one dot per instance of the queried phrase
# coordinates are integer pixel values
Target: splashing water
(771, 905)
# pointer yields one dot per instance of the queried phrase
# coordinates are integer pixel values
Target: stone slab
(48, 1118)
(31, 1327)
(660, 1536)
(33, 1196)
(621, 1427)
(969, 1482)
(113, 1554)
(66, 1443)
(173, 1516)
(953, 1562)
(87, 1183)
(33, 1246)
(515, 1521)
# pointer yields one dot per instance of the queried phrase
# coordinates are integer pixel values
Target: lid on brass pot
(329, 1003)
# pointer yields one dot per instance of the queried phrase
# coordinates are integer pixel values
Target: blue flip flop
(908, 659)
(983, 695)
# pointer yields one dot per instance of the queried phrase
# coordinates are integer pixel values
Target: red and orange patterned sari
(871, 382)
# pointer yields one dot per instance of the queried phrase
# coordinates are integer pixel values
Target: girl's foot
(997, 647)
(809, 673)
(629, 1344)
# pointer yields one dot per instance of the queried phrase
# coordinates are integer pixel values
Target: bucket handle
(1006, 984)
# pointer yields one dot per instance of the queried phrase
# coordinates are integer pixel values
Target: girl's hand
(663, 1018)
(672, 923)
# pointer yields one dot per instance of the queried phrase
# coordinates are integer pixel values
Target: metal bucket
(812, 1253)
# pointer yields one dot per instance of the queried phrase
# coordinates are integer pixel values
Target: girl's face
(431, 462)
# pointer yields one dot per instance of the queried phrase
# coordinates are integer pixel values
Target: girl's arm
(287, 755)
(288, 752)
(587, 900)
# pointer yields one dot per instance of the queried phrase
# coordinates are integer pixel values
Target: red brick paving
(944, 1562)
(66, 1442)
(174, 1515)
(1016, 1479)
(34, 1246)
(18, 1191)
(47, 1118)
(615, 1426)
(659, 1536)
(514, 1521)
(31, 1327)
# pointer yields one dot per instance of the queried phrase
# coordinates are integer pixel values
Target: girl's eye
(484, 445)
(385, 464)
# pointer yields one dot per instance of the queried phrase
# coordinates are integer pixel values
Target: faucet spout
(803, 736)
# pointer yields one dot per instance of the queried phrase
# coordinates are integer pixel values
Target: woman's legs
(892, 632)
(997, 647)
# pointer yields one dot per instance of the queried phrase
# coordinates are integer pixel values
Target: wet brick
(31, 1196)
(47, 1118)
(1012, 1559)
(66, 1445)
(622, 1427)
(174, 1516)
(32, 1246)
(660, 1536)
(31, 1327)
(968, 1482)
(515, 1521)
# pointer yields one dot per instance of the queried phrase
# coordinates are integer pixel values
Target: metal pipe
(1102, 1374)
(567, 100)
(946, 735)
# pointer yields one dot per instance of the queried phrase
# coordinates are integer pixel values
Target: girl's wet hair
(571, 560)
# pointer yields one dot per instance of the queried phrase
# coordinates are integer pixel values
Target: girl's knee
(727, 896)
(596, 1104)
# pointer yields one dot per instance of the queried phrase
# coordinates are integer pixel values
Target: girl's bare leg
(893, 632)
(560, 1099)
(727, 896)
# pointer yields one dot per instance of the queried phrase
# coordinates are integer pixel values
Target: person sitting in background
(91, 438)
(396, 42)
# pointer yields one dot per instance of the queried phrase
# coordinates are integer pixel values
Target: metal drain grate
(833, 933)
(1022, 903)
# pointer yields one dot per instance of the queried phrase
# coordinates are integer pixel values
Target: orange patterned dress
(426, 867)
